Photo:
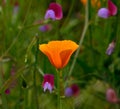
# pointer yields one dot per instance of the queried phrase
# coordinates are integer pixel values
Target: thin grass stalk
(35, 92)
(81, 38)
(20, 31)
(3, 97)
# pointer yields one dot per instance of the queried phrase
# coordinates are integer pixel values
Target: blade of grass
(81, 38)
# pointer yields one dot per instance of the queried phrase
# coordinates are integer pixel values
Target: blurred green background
(94, 71)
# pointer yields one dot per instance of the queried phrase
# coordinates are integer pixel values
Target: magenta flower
(73, 90)
(112, 8)
(110, 48)
(107, 12)
(7, 91)
(111, 96)
(48, 83)
(54, 12)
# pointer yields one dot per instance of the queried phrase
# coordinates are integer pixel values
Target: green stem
(59, 102)
(12, 78)
(36, 24)
(90, 33)
(4, 23)
(25, 98)
(14, 41)
(81, 39)
(29, 48)
(69, 13)
(117, 106)
(35, 93)
(59, 1)
(3, 97)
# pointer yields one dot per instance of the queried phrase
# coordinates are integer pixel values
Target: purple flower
(50, 14)
(107, 12)
(103, 13)
(73, 90)
(68, 92)
(111, 96)
(54, 12)
(48, 83)
(110, 48)
(45, 28)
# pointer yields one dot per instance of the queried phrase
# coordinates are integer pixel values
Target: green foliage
(94, 71)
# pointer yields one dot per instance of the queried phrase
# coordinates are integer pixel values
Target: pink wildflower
(111, 96)
(48, 83)
(54, 12)
(112, 8)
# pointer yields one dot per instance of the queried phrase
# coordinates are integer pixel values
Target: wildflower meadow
(57, 54)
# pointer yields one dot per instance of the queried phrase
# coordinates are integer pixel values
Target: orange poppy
(94, 3)
(59, 52)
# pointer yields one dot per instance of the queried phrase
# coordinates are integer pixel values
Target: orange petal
(53, 57)
(95, 3)
(56, 60)
(83, 1)
(65, 57)
(45, 50)
(59, 52)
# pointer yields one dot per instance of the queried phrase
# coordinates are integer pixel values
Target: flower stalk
(34, 75)
(59, 89)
